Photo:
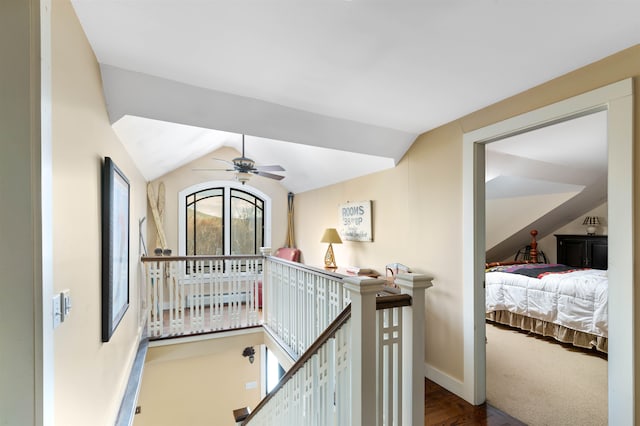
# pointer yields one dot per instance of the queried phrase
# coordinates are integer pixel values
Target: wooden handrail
(301, 266)
(382, 302)
(327, 334)
(392, 301)
(198, 257)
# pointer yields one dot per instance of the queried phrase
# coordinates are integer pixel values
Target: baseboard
(451, 384)
(130, 398)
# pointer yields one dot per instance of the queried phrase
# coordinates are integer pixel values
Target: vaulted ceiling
(542, 180)
(363, 77)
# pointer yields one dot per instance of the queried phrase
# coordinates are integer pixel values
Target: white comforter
(576, 300)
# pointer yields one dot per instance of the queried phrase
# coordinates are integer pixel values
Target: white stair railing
(300, 302)
(332, 383)
(309, 393)
(389, 365)
(196, 294)
(368, 370)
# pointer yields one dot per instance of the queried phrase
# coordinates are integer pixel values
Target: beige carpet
(541, 382)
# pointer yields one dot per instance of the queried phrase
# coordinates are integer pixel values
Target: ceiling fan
(245, 167)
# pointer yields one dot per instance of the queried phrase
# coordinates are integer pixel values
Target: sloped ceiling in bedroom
(542, 180)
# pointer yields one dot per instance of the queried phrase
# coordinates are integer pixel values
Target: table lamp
(330, 236)
(591, 222)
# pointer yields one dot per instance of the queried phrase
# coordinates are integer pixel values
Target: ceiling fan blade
(273, 168)
(213, 170)
(268, 175)
(224, 161)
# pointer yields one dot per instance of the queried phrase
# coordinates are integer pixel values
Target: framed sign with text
(354, 221)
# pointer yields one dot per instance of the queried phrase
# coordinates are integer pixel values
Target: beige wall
(416, 221)
(199, 383)
(320, 208)
(540, 205)
(418, 206)
(90, 376)
(185, 177)
(506, 216)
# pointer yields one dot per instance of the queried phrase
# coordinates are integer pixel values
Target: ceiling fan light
(243, 177)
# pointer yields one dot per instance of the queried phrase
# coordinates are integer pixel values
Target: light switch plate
(57, 310)
(66, 303)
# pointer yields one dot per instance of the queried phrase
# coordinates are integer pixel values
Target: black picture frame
(115, 247)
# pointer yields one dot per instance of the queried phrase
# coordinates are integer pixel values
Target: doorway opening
(617, 100)
(546, 180)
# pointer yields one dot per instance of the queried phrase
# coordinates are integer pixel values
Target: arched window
(223, 218)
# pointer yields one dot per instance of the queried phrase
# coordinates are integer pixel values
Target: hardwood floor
(444, 408)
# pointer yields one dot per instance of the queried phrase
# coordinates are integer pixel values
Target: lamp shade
(243, 177)
(591, 220)
(331, 236)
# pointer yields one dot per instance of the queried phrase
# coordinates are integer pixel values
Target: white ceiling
(148, 141)
(568, 158)
(564, 157)
(579, 143)
(358, 76)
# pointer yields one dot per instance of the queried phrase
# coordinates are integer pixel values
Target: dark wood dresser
(584, 251)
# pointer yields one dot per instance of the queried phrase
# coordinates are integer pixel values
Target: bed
(560, 301)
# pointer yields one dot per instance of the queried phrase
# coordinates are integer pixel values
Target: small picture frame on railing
(115, 247)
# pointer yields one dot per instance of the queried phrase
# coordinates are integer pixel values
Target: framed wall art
(115, 247)
(355, 221)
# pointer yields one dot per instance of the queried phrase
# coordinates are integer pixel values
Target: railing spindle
(203, 293)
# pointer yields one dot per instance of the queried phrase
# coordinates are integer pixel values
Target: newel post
(363, 346)
(413, 341)
(265, 251)
(265, 287)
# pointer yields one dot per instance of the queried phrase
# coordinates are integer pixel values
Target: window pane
(243, 222)
(247, 223)
(241, 194)
(212, 192)
(205, 224)
(259, 230)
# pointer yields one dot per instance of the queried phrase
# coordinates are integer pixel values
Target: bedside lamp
(591, 222)
(330, 236)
